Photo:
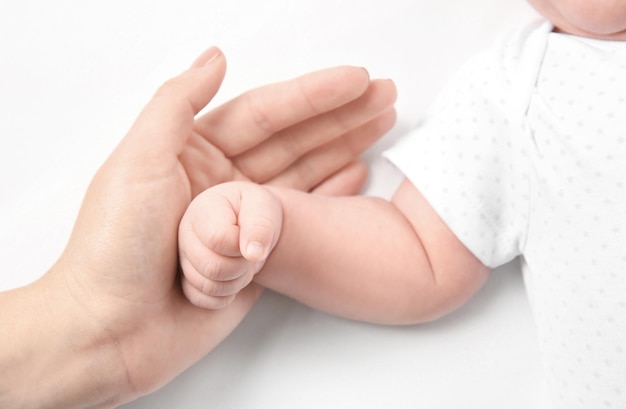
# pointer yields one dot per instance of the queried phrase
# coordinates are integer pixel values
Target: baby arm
(364, 258)
(224, 238)
(393, 262)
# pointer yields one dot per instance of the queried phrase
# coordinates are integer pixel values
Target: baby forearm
(357, 257)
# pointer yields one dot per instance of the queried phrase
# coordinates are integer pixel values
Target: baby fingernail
(255, 251)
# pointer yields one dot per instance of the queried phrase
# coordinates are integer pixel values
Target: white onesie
(524, 154)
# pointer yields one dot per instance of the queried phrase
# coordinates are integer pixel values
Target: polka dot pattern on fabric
(524, 155)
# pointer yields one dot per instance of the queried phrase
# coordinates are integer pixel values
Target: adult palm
(119, 272)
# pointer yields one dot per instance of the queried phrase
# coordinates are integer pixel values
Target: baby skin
(522, 156)
(387, 261)
(365, 258)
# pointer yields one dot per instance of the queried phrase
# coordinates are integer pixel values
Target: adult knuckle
(258, 114)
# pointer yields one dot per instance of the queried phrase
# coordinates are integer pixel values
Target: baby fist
(224, 237)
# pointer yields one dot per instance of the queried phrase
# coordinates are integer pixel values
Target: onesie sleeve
(468, 159)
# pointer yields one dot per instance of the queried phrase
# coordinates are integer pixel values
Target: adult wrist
(54, 355)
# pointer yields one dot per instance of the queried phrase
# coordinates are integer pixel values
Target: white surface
(74, 74)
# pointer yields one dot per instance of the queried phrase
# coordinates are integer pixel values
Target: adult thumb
(260, 222)
(167, 121)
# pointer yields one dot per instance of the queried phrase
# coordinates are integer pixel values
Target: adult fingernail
(207, 57)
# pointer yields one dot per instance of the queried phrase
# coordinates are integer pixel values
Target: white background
(73, 76)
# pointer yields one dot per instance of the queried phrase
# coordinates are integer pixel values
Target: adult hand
(108, 322)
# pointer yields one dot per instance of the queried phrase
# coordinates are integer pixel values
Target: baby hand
(224, 238)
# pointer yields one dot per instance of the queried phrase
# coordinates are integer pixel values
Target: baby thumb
(260, 222)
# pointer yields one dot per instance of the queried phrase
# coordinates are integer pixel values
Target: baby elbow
(419, 311)
(440, 297)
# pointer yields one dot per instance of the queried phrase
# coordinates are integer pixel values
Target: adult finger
(168, 119)
(254, 116)
(277, 153)
(347, 181)
(316, 166)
